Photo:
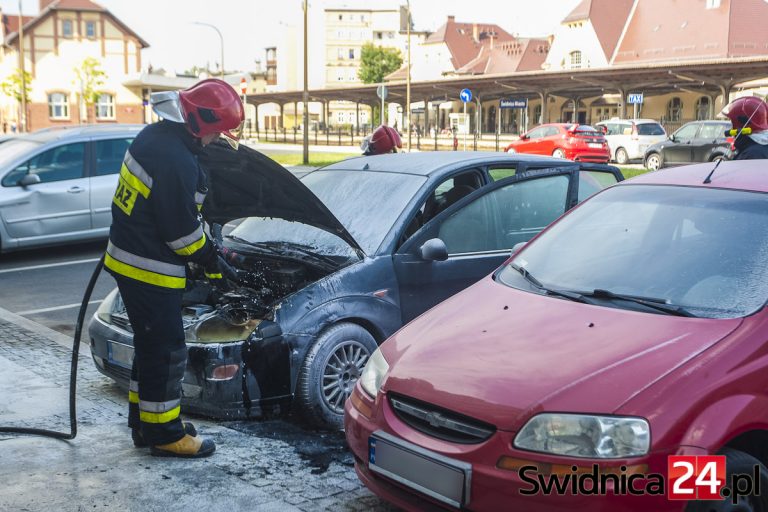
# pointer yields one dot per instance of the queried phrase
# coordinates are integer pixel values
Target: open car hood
(246, 183)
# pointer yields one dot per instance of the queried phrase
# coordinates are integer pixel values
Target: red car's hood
(499, 355)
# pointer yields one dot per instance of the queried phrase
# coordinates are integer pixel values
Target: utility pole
(23, 116)
(408, 77)
(305, 94)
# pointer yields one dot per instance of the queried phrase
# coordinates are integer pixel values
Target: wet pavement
(269, 465)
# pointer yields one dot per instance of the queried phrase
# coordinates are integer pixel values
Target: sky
(249, 26)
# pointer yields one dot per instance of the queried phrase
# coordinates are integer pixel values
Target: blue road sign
(465, 95)
(635, 98)
(513, 103)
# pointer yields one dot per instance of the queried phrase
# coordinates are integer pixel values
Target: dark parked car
(698, 141)
(336, 262)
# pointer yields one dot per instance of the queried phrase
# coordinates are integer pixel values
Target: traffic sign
(513, 103)
(381, 92)
(465, 95)
(635, 98)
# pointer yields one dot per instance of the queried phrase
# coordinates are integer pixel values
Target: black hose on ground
(72, 372)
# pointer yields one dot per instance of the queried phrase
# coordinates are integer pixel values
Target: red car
(632, 329)
(579, 142)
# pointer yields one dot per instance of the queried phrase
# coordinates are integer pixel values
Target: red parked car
(632, 329)
(579, 142)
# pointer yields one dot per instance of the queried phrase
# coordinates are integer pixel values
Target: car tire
(717, 158)
(558, 153)
(737, 462)
(653, 162)
(330, 371)
(621, 156)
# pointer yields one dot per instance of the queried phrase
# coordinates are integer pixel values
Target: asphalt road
(47, 285)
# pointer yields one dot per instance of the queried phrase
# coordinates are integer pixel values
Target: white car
(629, 138)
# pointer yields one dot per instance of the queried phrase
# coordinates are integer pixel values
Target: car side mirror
(434, 250)
(517, 247)
(29, 179)
(672, 137)
(524, 137)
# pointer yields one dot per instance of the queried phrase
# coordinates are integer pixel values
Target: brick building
(58, 40)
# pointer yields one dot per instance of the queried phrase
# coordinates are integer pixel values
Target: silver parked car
(629, 138)
(56, 186)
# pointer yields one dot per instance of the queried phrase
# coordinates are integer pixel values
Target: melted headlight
(579, 435)
(223, 326)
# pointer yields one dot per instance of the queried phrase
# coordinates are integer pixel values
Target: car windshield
(12, 149)
(367, 203)
(704, 250)
(650, 129)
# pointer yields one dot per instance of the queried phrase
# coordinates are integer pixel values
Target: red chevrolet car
(579, 142)
(632, 329)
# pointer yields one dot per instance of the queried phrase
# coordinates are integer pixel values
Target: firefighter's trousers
(160, 357)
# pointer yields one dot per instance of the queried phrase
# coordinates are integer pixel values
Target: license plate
(594, 145)
(444, 479)
(120, 354)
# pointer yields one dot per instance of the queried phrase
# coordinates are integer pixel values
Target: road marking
(48, 265)
(55, 308)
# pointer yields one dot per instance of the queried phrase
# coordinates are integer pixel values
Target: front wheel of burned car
(330, 371)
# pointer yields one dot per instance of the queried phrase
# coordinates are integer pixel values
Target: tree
(90, 78)
(11, 86)
(376, 62)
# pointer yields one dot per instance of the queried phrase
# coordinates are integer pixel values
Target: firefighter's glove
(219, 273)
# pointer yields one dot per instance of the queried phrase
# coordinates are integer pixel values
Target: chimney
(45, 3)
(475, 35)
(451, 18)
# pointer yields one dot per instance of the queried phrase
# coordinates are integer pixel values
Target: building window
(90, 29)
(702, 108)
(340, 54)
(675, 110)
(341, 17)
(58, 105)
(351, 53)
(66, 28)
(575, 59)
(105, 107)
(713, 4)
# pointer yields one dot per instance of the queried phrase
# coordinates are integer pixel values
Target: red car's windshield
(704, 250)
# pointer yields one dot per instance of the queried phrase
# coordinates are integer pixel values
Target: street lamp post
(23, 116)
(408, 75)
(305, 93)
(221, 40)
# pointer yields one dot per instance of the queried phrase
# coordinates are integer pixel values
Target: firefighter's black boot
(139, 442)
(187, 447)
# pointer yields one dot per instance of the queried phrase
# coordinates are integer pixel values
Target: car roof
(629, 121)
(749, 175)
(78, 132)
(434, 162)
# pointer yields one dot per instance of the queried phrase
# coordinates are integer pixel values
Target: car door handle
(75, 190)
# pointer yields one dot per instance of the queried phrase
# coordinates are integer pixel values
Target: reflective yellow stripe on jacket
(146, 270)
(189, 244)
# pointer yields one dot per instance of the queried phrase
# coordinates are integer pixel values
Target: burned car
(333, 264)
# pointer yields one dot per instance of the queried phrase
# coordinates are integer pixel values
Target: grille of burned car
(440, 423)
(120, 320)
(118, 371)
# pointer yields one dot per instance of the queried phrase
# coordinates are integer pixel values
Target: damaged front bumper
(225, 380)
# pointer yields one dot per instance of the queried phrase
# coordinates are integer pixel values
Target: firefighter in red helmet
(156, 230)
(749, 117)
(384, 139)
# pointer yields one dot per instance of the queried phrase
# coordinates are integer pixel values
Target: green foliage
(90, 78)
(376, 62)
(12, 85)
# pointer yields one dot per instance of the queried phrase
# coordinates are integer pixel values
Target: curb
(54, 336)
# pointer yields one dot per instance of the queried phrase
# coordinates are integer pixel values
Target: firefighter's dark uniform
(155, 230)
(748, 149)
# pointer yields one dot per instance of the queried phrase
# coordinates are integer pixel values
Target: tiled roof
(608, 18)
(77, 5)
(11, 22)
(464, 40)
(508, 57)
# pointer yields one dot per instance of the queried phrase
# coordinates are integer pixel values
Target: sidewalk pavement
(269, 465)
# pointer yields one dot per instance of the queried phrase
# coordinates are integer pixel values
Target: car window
(650, 129)
(711, 131)
(504, 217)
(57, 164)
(551, 130)
(611, 129)
(687, 132)
(537, 133)
(109, 155)
(446, 193)
(592, 182)
(499, 173)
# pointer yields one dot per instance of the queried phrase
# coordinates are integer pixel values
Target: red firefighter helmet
(384, 139)
(747, 112)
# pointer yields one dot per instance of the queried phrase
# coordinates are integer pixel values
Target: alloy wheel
(342, 369)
